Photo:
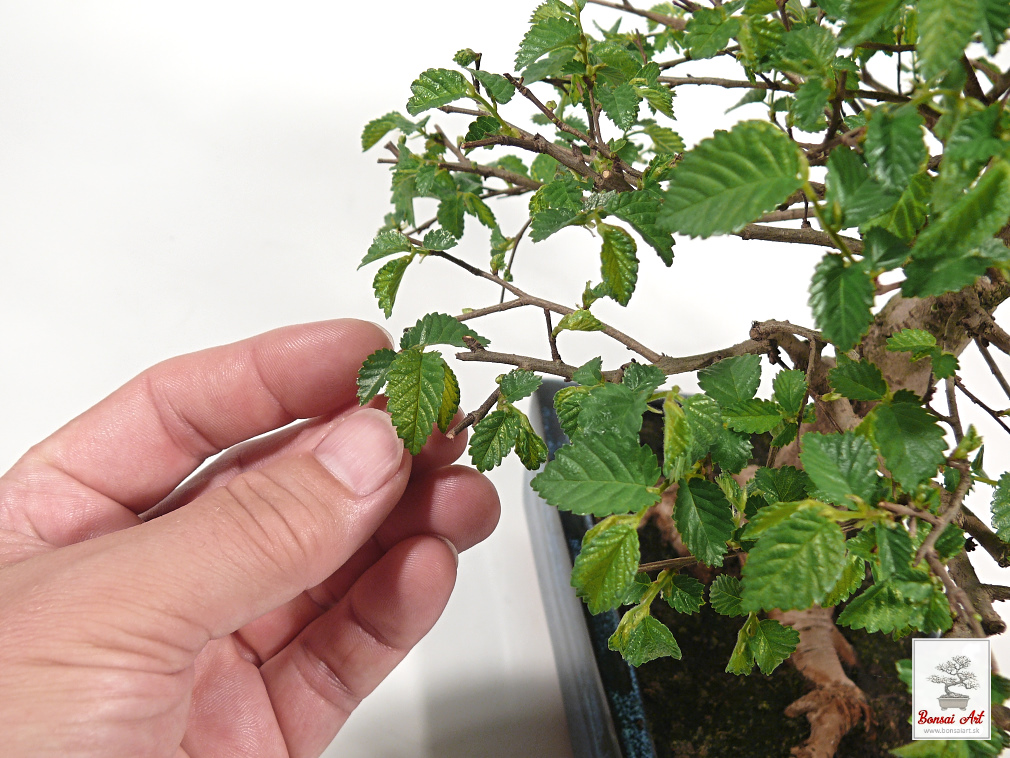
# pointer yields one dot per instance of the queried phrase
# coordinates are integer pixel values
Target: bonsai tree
(884, 140)
(957, 674)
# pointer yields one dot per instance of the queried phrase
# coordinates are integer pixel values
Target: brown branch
(904, 510)
(953, 506)
(551, 115)
(495, 172)
(984, 536)
(849, 94)
(971, 86)
(993, 367)
(479, 312)
(953, 417)
(997, 417)
(997, 592)
(660, 18)
(475, 416)
(453, 147)
(515, 246)
(963, 575)
(887, 47)
(791, 214)
(462, 111)
(956, 597)
(804, 236)
(555, 355)
(670, 563)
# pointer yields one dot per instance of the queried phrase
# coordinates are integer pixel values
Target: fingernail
(362, 451)
(455, 552)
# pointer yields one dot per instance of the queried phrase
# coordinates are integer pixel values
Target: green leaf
(1001, 508)
(434, 88)
(578, 321)
(841, 297)
(640, 209)
(936, 749)
(545, 36)
(600, 475)
(450, 215)
(496, 85)
(790, 390)
(851, 195)
(618, 262)
(386, 243)
(517, 384)
(493, 437)
(995, 18)
(549, 221)
(415, 388)
(643, 380)
(782, 485)
(705, 418)
(794, 563)
(772, 643)
(726, 596)
(883, 250)
(809, 104)
(606, 566)
(708, 31)
(685, 594)
(894, 147)
(841, 465)
(466, 57)
(387, 282)
(732, 380)
(664, 139)
(378, 128)
(450, 399)
(910, 440)
(704, 518)
(809, 51)
(481, 127)
(372, 375)
(643, 641)
(731, 179)
(768, 516)
(439, 329)
(888, 606)
(530, 448)
(439, 239)
(945, 29)
(589, 373)
(568, 405)
(917, 341)
(620, 103)
(860, 381)
(660, 100)
(947, 273)
(752, 416)
(612, 409)
(853, 574)
(909, 213)
(731, 451)
(864, 18)
(678, 438)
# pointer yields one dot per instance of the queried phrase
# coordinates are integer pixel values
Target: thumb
(249, 546)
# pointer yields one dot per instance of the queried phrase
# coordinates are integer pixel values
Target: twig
(660, 18)
(957, 597)
(796, 236)
(993, 367)
(954, 418)
(984, 536)
(995, 414)
(997, 592)
(954, 501)
(555, 355)
(452, 147)
(512, 257)
(904, 510)
(479, 312)
(669, 563)
(475, 416)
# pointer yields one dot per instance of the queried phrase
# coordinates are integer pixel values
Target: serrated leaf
(643, 380)
(481, 127)
(851, 195)
(545, 36)
(732, 380)
(945, 365)
(708, 31)
(841, 298)
(643, 641)
(479, 210)
(809, 51)
(726, 595)
(882, 250)
(790, 389)
(731, 179)
(705, 418)
(853, 574)
(664, 139)
(606, 566)
(496, 85)
(894, 146)
(618, 262)
(704, 518)
(894, 551)
(752, 416)
(863, 18)
(841, 465)
(916, 341)
(995, 18)
(620, 104)
(519, 383)
(809, 105)
(794, 563)
(600, 475)
(771, 644)
(578, 321)
(372, 375)
(907, 215)
(685, 594)
(660, 100)
(640, 209)
(678, 438)
(768, 516)
(782, 485)
(568, 404)
(493, 437)
(450, 399)
(530, 448)
(385, 244)
(551, 220)
(741, 660)
(378, 128)
(887, 606)
(731, 451)
(861, 381)
(434, 88)
(910, 440)
(439, 329)
(612, 409)
(439, 239)
(945, 29)
(1001, 508)
(387, 282)
(589, 373)
(415, 387)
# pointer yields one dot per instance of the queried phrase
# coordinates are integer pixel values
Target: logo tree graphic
(956, 674)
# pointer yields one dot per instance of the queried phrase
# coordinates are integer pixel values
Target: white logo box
(951, 689)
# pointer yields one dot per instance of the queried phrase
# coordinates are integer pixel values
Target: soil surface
(697, 710)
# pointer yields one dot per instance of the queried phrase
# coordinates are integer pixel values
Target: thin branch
(805, 236)
(551, 115)
(971, 86)
(997, 592)
(887, 47)
(660, 18)
(904, 510)
(669, 563)
(984, 536)
(479, 312)
(954, 501)
(994, 413)
(957, 597)
(494, 172)
(475, 416)
(953, 417)
(555, 355)
(791, 214)
(453, 147)
(512, 257)
(993, 367)
(462, 111)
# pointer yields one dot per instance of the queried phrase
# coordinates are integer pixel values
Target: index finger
(139, 443)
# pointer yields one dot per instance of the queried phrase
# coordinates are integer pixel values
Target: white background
(178, 175)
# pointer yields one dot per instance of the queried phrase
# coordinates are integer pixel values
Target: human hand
(247, 611)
